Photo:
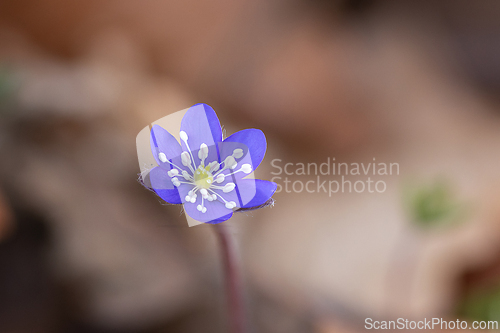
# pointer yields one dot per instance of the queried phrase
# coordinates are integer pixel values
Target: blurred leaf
(433, 205)
(481, 305)
(7, 88)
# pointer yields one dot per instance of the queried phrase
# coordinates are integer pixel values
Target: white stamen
(228, 187)
(186, 175)
(230, 162)
(162, 157)
(188, 198)
(215, 166)
(203, 152)
(204, 193)
(183, 135)
(215, 195)
(230, 204)
(186, 159)
(193, 199)
(246, 168)
(238, 153)
(220, 178)
(202, 207)
(210, 198)
(173, 173)
(176, 182)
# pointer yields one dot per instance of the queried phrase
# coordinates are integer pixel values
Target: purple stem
(234, 292)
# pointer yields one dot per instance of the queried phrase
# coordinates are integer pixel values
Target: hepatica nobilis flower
(208, 175)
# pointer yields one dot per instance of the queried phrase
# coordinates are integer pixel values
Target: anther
(162, 157)
(228, 187)
(186, 159)
(246, 168)
(220, 178)
(183, 135)
(238, 153)
(173, 173)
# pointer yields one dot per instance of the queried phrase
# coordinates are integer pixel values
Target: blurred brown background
(85, 248)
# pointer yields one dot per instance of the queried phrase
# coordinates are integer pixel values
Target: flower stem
(401, 274)
(234, 292)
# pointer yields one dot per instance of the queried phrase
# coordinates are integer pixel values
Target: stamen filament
(217, 194)
(185, 139)
(229, 174)
(171, 163)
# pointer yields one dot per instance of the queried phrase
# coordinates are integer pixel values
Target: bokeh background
(85, 248)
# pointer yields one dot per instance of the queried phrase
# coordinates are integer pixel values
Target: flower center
(203, 177)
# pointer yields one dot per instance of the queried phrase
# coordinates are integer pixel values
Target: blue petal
(163, 142)
(264, 190)
(222, 219)
(162, 185)
(202, 126)
(255, 140)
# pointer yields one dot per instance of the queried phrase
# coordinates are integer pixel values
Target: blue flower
(205, 173)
